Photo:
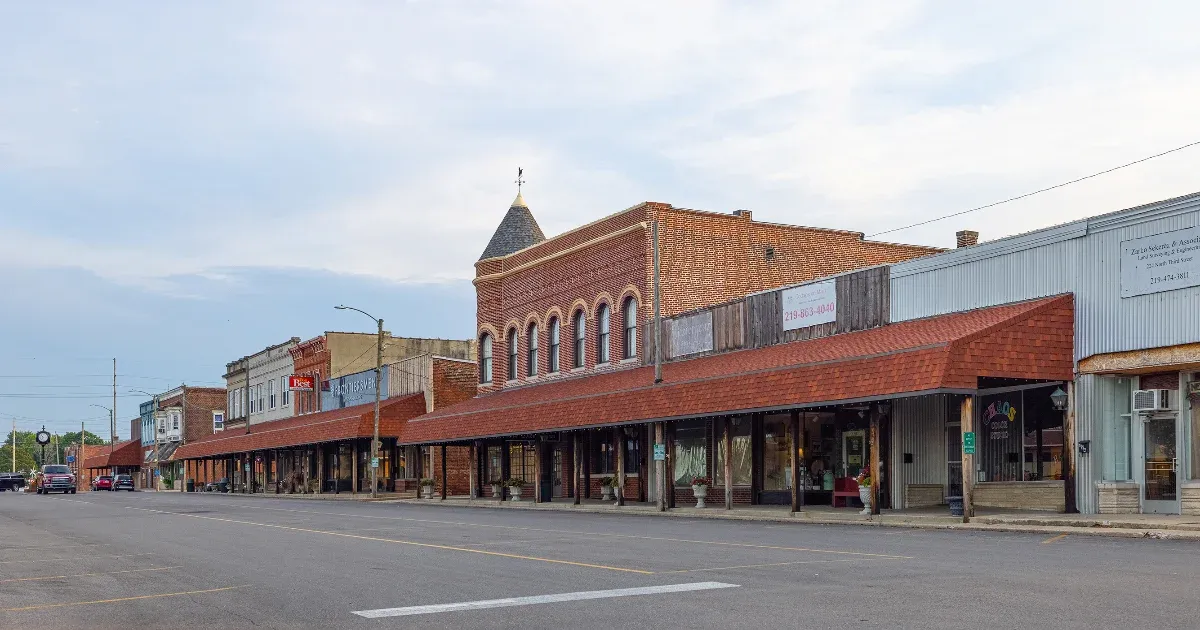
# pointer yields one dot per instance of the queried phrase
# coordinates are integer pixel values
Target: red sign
(300, 383)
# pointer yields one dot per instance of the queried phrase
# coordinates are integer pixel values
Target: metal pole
(112, 421)
(657, 310)
(375, 439)
(14, 445)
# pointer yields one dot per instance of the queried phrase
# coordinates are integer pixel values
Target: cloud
(380, 140)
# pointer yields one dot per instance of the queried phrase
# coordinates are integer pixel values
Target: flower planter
(515, 491)
(427, 492)
(496, 488)
(606, 493)
(700, 492)
(864, 494)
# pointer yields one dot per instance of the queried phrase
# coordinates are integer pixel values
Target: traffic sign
(70, 459)
(969, 443)
(374, 462)
(660, 452)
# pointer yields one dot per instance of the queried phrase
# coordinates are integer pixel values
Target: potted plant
(700, 489)
(514, 488)
(864, 489)
(497, 487)
(606, 488)
(426, 484)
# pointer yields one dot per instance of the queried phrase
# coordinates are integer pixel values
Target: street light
(112, 420)
(378, 379)
(1059, 399)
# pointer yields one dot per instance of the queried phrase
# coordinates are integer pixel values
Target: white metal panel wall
(1088, 408)
(918, 427)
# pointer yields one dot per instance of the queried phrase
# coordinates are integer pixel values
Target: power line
(1036, 192)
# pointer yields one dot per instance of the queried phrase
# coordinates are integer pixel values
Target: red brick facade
(706, 258)
(197, 410)
(311, 358)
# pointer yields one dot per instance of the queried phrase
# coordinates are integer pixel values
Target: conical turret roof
(517, 231)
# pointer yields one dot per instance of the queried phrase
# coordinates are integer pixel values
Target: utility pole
(660, 466)
(375, 439)
(14, 445)
(112, 423)
(80, 457)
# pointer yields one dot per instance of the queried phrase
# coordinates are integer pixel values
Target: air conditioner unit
(1146, 400)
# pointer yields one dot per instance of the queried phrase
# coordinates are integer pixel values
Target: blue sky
(184, 183)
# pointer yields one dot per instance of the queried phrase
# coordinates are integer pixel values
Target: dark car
(11, 481)
(122, 482)
(221, 485)
(103, 482)
(56, 478)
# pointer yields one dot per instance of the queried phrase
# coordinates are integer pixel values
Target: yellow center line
(60, 577)
(123, 599)
(589, 534)
(401, 542)
(1054, 539)
(758, 566)
(73, 558)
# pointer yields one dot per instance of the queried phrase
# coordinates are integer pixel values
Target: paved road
(149, 560)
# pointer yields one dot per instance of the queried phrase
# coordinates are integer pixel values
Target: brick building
(582, 300)
(176, 417)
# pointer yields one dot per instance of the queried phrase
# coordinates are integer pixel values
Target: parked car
(11, 481)
(123, 482)
(55, 478)
(103, 482)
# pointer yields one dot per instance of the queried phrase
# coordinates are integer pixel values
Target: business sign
(810, 305)
(692, 334)
(1163, 262)
(353, 389)
(301, 383)
(660, 452)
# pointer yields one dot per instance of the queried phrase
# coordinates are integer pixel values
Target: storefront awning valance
(127, 453)
(947, 353)
(316, 428)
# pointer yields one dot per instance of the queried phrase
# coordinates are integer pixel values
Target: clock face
(42, 437)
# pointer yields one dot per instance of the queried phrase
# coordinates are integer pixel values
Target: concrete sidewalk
(1122, 526)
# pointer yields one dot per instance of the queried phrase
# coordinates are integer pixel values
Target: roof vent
(967, 238)
(743, 213)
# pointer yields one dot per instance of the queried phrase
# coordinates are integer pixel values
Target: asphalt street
(158, 560)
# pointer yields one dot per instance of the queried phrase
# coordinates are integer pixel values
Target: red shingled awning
(948, 353)
(127, 453)
(326, 426)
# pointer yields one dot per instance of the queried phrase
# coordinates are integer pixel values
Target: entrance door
(1161, 489)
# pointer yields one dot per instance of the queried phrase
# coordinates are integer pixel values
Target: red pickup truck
(55, 478)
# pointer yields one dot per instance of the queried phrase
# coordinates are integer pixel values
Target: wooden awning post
(577, 459)
(471, 471)
(795, 457)
(727, 441)
(967, 420)
(660, 470)
(620, 489)
(445, 477)
(875, 456)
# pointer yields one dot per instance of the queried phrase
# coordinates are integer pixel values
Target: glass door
(1161, 489)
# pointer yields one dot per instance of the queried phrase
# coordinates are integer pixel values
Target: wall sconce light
(1059, 398)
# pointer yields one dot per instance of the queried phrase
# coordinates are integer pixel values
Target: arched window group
(485, 358)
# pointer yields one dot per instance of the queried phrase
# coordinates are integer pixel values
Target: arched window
(580, 335)
(555, 339)
(602, 334)
(532, 364)
(512, 354)
(629, 341)
(485, 358)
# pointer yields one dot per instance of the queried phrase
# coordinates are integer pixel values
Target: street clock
(43, 437)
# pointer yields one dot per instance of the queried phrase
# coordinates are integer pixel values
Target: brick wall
(458, 461)
(1119, 498)
(310, 358)
(1021, 495)
(453, 381)
(1162, 380)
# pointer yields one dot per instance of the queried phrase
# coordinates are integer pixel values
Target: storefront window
(604, 453)
(522, 462)
(1043, 426)
(777, 460)
(494, 466)
(1020, 437)
(1115, 396)
(406, 466)
(691, 452)
(739, 430)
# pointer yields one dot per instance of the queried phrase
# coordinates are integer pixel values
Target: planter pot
(700, 492)
(956, 505)
(496, 490)
(427, 492)
(606, 493)
(515, 491)
(864, 494)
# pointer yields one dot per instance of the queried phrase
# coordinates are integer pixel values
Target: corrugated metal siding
(1088, 467)
(918, 427)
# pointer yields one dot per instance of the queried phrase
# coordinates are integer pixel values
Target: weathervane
(519, 180)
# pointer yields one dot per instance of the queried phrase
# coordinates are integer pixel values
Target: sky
(182, 184)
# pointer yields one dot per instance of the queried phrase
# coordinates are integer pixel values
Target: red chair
(844, 488)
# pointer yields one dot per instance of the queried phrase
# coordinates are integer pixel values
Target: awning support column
(875, 467)
(620, 465)
(578, 461)
(727, 446)
(1069, 499)
(445, 473)
(794, 426)
(473, 457)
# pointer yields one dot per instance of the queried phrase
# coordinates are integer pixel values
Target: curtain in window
(691, 452)
(742, 459)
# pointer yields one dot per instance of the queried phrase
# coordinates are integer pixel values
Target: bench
(844, 488)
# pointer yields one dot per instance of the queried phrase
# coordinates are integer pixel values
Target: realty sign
(809, 305)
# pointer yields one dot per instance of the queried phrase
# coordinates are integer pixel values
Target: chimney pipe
(967, 238)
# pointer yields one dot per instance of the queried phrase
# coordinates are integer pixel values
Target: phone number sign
(809, 305)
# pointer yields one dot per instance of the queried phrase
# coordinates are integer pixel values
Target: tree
(72, 438)
(25, 460)
(27, 443)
